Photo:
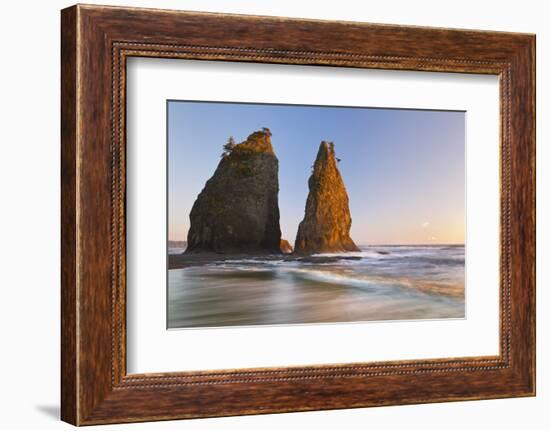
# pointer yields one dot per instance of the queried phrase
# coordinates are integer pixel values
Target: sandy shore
(379, 283)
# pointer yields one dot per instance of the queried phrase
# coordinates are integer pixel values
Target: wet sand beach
(376, 283)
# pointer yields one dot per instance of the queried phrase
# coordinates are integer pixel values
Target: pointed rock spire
(327, 220)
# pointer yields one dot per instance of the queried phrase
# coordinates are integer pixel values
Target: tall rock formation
(238, 210)
(327, 220)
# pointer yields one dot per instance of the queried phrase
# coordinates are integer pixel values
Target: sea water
(377, 283)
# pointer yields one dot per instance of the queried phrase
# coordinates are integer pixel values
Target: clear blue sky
(404, 170)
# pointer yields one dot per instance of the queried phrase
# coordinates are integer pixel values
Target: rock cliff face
(285, 247)
(327, 220)
(238, 209)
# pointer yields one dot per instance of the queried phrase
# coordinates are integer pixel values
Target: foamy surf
(377, 283)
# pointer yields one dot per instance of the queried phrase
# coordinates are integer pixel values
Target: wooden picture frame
(95, 43)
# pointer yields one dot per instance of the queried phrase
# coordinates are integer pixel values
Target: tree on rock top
(229, 146)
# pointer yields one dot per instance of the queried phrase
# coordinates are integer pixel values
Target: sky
(404, 170)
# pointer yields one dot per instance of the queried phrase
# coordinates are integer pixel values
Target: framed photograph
(263, 214)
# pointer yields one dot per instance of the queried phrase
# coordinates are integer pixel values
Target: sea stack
(285, 247)
(327, 220)
(238, 209)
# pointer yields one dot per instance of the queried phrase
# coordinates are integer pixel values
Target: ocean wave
(393, 252)
(332, 277)
(176, 250)
(423, 270)
(382, 283)
(361, 254)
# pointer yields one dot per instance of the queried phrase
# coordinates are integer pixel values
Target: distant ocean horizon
(379, 282)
